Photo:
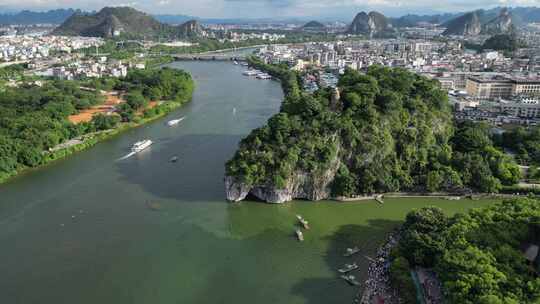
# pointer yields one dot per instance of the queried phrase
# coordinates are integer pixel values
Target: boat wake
(127, 156)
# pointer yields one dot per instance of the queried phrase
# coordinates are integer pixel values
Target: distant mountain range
(28, 17)
(519, 16)
(60, 15)
(481, 22)
(127, 22)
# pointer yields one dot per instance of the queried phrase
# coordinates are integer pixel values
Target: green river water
(93, 229)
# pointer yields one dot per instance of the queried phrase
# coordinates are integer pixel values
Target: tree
(105, 122)
(136, 100)
(422, 241)
(344, 184)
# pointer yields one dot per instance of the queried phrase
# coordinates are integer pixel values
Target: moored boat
(351, 251)
(251, 73)
(348, 267)
(263, 76)
(350, 279)
(302, 221)
(299, 235)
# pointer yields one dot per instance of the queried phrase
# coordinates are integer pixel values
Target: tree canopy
(476, 255)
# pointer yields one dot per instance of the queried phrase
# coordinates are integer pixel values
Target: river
(93, 229)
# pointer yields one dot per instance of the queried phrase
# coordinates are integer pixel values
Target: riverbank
(89, 140)
(447, 196)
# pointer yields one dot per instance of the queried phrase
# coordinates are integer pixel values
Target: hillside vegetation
(477, 255)
(391, 130)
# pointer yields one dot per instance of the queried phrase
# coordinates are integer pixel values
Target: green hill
(384, 131)
(125, 22)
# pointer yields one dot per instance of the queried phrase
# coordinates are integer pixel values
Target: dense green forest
(34, 119)
(503, 42)
(525, 143)
(477, 256)
(391, 130)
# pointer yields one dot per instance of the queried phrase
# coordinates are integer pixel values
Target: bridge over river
(209, 57)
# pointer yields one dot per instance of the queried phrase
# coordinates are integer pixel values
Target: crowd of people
(377, 289)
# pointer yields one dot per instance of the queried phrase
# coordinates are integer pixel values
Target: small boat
(380, 199)
(235, 62)
(350, 279)
(351, 251)
(348, 267)
(141, 145)
(263, 76)
(234, 111)
(174, 122)
(174, 159)
(250, 73)
(299, 235)
(302, 221)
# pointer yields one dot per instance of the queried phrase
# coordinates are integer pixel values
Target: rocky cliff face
(313, 186)
(466, 25)
(502, 24)
(191, 28)
(369, 24)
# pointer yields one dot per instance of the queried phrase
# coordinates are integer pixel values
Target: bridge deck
(209, 57)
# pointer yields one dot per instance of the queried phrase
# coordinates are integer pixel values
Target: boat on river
(351, 251)
(350, 279)
(174, 122)
(299, 235)
(263, 76)
(302, 221)
(348, 267)
(141, 145)
(174, 159)
(251, 73)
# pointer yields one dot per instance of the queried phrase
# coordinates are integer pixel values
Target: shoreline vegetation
(31, 148)
(448, 196)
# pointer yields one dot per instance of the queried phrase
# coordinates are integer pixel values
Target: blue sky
(272, 8)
